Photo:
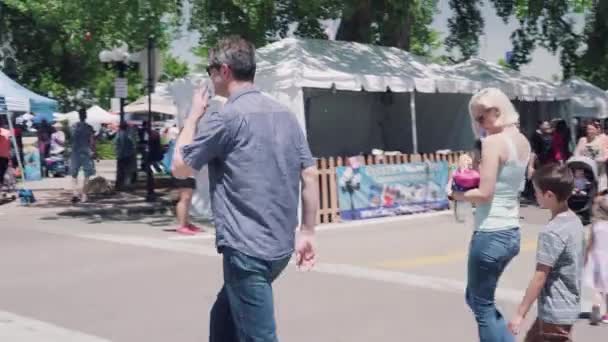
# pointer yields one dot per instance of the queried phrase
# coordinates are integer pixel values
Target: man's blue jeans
(489, 255)
(244, 308)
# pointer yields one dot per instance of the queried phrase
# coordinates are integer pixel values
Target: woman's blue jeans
(489, 255)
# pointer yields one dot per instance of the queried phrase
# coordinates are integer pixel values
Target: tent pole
(413, 113)
(15, 146)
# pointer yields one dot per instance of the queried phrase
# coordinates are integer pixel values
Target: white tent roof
(515, 84)
(297, 63)
(587, 100)
(160, 104)
(96, 116)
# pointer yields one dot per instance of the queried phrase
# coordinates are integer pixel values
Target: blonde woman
(496, 239)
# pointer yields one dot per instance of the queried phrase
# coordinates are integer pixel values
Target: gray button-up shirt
(256, 151)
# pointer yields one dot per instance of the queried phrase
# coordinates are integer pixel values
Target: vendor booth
(22, 100)
(163, 106)
(588, 101)
(534, 98)
(352, 98)
(96, 116)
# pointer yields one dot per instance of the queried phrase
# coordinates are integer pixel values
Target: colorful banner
(31, 161)
(386, 190)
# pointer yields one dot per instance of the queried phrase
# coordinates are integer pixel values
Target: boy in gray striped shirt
(559, 262)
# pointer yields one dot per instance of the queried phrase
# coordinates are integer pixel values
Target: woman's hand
(458, 196)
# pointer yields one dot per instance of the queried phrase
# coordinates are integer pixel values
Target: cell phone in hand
(196, 84)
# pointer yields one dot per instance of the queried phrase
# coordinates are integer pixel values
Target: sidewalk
(56, 193)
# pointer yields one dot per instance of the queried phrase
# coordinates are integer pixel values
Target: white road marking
(206, 236)
(439, 284)
(335, 226)
(15, 328)
(140, 241)
(382, 220)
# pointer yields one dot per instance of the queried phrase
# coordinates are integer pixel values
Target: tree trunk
(397, 29)
(356, 22)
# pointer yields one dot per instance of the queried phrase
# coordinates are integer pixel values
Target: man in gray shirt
(258, 157)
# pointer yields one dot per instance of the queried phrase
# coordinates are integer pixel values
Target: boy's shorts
(84, 161)
(542, 331)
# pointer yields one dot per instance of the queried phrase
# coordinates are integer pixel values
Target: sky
(496, 40)
(493, 44)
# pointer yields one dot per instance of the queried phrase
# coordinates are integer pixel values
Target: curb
(157, 208)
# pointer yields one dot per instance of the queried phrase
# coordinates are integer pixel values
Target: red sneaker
(185, 231)
(194, 228)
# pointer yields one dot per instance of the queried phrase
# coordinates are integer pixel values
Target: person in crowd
(5, 149)
(496, 240)
(560, 144)
(44, 139)
(592, 146)
(156, 150)
(185, 190)
(58, 140)
(126, 157)
(542, 142)
(596, 260)
(556, 282)
(258, 157)
(142, 144)
(18, 134)
(83, 149)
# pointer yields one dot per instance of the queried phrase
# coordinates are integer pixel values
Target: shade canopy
(311, 63)
(587, 101)
(96, 116)
(160, 104)
(483, 74)
(21, 99)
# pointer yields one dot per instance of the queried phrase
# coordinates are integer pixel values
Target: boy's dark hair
(555, 178)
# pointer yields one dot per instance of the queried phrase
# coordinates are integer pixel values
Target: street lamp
(119, 58)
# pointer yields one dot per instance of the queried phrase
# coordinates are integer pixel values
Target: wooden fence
(329, 211)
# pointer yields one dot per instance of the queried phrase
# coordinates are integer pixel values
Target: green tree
(403, 24)
(55, 43)
(593, 63)
(173, 68)
(541, 23)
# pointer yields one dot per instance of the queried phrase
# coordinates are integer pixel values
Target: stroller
(585, 186)
(55, 164)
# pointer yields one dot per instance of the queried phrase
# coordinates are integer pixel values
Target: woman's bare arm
(490, 162)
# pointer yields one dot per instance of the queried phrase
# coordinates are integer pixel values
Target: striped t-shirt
(560, 246)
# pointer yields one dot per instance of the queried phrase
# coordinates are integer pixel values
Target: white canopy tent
(534, 98)
(160, 105)
(351, 97)
(96, 116)
(588, 101)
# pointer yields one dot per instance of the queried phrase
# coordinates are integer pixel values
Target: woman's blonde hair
(495, 98)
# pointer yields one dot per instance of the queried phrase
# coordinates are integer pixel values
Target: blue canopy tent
(4, 111)
(20, 99)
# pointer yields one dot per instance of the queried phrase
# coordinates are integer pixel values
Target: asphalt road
(129, 280)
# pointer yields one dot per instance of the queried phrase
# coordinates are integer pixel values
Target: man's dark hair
(82, 114)
(555, 178)
(238, 54)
